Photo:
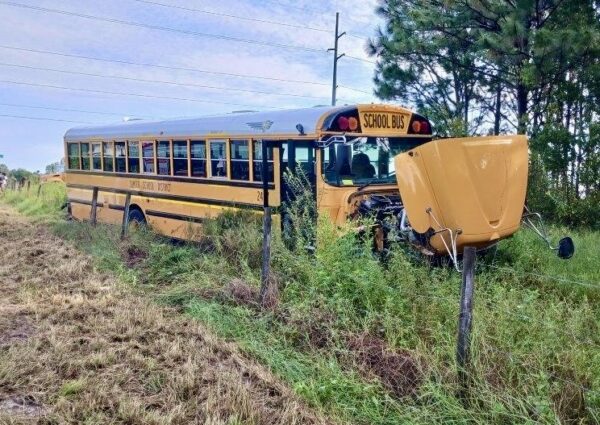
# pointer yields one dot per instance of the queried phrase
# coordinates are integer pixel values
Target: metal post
(266, 244)
(125, 223)
(94, 206)
(465, 318)
(336, 57)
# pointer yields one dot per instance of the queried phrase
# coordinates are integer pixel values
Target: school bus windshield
(367, 160)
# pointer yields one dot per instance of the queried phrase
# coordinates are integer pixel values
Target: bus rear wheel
(136, 219)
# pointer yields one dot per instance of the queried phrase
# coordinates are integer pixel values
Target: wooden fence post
(94, 206)
(39, 190)
(266, 244)
(465, 319)
(125, 223)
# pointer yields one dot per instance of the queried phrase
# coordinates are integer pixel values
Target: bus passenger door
(297, 155)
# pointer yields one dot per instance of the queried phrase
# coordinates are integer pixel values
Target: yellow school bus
(361, 160)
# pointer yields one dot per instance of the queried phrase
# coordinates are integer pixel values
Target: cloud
(74, 35)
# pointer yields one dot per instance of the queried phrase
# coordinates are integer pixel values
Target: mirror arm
(541, 231)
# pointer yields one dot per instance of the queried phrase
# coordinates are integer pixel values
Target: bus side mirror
(566, 248)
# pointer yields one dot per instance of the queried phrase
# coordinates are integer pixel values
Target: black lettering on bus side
(164, 187)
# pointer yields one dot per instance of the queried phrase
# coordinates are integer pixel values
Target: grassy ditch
(368, 342)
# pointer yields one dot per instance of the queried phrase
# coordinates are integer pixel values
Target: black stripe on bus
(84, 202)
(116, 207)
(172, 216)
(169, 197)
(232, 183)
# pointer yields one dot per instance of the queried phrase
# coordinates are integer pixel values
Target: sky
(287, 49)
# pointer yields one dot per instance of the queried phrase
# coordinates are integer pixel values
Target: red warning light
(425, 128)
(343, 123)
(416, 127)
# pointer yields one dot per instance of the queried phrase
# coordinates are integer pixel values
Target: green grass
(536, 334)
(40, 202)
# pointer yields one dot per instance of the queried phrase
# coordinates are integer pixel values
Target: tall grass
(536, 319)
(40, 202)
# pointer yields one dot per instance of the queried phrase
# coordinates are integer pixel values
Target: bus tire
(137, 218)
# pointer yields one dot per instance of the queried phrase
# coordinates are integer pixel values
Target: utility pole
(336, 57)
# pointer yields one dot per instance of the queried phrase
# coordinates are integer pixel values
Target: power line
(363, 37)
(48, 108)
(357, 90)
(226, 15)
(303, 9)
(161, 28)
(159, 81)
(228, 74)
(128, 94)
(175, 68)
(361, 59)
(23, 117)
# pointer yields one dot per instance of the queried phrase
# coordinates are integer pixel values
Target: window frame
(187, 158)
(226, 159)
(248, 161)
(78, 156)
(170, 157)
(139, 157)
(111, 143)
(142, 157)
(120, 157)
(89, 156)
(271, 146)
(101, 156)
(205, 159)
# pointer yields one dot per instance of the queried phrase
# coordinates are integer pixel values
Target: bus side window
(163, 156)
(120, 157)
(73, 154)
(180, 158)
(96, 156)
(198, 158)
(257, 166)
(134, 157)
(108, 157)
(218, 159)
(148, 157)
(85, 156)
(240, 160)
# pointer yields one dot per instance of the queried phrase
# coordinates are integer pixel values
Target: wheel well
(136, 207)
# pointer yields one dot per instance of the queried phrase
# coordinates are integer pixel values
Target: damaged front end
(388, 222)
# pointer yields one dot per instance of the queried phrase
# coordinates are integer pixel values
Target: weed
(534, 344)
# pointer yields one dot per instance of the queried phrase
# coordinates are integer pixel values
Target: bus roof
(246, 123)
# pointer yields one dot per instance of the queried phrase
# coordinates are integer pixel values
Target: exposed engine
(390, 222)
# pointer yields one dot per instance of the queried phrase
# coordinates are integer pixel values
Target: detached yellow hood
(473, 185)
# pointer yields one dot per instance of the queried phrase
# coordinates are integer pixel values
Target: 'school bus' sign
(376, 122)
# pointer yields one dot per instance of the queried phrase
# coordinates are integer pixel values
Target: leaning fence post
(94, 206)
(125, 223)
(465, 318)
(266, 244)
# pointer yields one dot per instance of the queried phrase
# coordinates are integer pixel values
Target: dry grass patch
(80, 349)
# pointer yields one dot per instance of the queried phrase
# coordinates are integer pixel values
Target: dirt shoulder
(77, 348)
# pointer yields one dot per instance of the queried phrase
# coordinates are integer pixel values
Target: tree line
(478, 67)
